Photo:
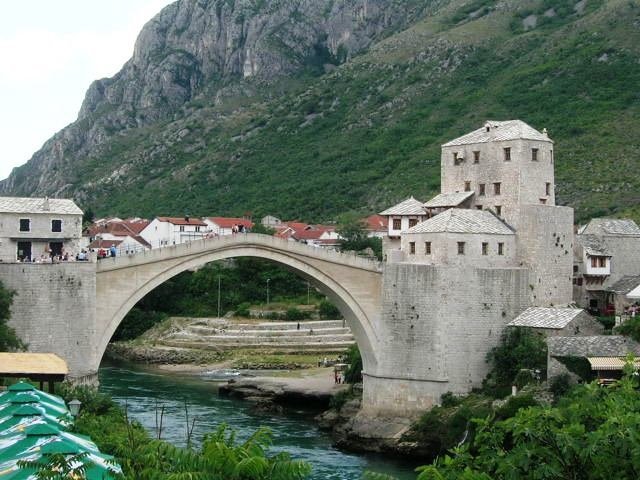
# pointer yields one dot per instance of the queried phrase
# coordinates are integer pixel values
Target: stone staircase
(325, 336)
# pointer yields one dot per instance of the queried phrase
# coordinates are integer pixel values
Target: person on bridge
(113, 250)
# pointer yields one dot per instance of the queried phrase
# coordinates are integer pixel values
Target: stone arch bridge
(422, 330)
(353, 283)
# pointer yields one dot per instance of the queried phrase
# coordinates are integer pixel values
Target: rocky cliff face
(207, 49)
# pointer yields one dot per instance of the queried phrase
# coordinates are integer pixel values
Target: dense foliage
(9, 341)
(520, 351)
(630, 328)
(592, 434)
(221, 456)
(354, 359)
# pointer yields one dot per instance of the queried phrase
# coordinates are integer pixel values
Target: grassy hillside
(368, 133)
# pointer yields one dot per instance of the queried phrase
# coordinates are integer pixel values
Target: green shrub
(448, 399)
(560, 385)
(579, 366)
(243, 310)
(630, 328)
(328, 311)
(294, 314)
(354, 359)
(514, 404)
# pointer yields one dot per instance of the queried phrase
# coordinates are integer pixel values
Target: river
(295, 432)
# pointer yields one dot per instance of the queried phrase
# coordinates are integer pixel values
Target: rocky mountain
(310, 108)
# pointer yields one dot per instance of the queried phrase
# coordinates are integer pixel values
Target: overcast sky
(50, 51)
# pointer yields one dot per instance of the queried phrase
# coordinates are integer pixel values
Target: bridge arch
(352, 283)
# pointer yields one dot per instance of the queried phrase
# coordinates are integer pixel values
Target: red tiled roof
(229, 222)
(136, 226)
(312, 233)
(182, 221)
(377, 223)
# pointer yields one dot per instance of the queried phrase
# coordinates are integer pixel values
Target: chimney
(186, 218)
(487, 126)
(544, 132)
(45, 204)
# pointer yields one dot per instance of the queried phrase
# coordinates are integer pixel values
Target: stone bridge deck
(232, 241)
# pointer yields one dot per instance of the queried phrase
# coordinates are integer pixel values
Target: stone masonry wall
(545, 245)
(437, 325)
(54, 309)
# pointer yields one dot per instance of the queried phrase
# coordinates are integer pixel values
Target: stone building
(464, 264)
(165, 231)
(606, 251)
(31, 228)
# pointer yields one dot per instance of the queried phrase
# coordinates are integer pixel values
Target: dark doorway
(56, 248)
(24, 251)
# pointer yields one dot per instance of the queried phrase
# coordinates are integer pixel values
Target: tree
(9, 341)
(353, 235)
(590, 435)
(519, 349)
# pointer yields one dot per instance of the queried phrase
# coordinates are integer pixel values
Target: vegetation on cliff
(362, 130)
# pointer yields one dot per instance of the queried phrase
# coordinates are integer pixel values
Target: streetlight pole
(218, 296)
(268, 280)
(308, 293)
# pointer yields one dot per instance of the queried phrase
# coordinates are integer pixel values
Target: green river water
(294, 432)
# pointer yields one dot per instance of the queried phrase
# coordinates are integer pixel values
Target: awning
(45, 366)
(610, 363)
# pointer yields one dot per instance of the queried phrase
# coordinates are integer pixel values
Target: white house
(224, 225)
(31, 228)
(164, 231)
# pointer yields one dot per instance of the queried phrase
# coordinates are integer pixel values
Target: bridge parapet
(231, 241)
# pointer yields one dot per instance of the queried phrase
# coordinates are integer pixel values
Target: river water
(143, 391)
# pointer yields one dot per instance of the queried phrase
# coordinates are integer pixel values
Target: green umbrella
(99, 466)
(26, 388)
(39, 437)
(30, 399)
(24, 415)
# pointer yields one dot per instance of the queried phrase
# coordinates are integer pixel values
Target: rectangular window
(182, 228)
(499, 210)
(543, 201)
(580, 282)
(485, 248)
(455, 158)
(197, 228)
(507, 154)
(413, 222)
(594, 262)
(602, 262)
(478, 207)
(497, 188)
(534, 154)
(481, 189)
(56, 225)
(412, 248)
(467, 186)
(547, 188)
(551, 155)
(25, 225)
(460, 248)
(427, 248)
(397, 224)
(500, 248)
(476, 157)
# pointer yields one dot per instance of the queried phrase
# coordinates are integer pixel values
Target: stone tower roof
(459, 220)
(494, 131)
(410, 206)
(611, 226)
(59, 206)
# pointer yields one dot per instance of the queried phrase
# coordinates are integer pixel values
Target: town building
(225, 225)
(606, 251)
(165, 231)
(123, 234)
(496, 209)
(35, 228)
(377, 226)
